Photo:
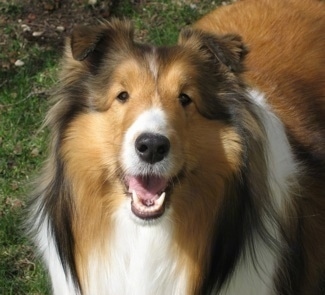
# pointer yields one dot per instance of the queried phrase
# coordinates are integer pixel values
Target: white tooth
(160, 200)
(135, 198)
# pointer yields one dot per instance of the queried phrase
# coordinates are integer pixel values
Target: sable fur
(226, 199)
(290, 70)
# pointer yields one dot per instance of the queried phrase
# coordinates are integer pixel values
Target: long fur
(240, 101)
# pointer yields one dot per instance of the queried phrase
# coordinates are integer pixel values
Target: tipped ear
(226, 49)
(83, 40)
(91, 43)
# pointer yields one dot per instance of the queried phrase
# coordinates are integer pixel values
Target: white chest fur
(140, 260)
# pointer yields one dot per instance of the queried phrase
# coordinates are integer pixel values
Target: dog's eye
(184, 99)
(123, 96)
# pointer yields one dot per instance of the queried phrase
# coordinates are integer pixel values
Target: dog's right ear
(90, 44)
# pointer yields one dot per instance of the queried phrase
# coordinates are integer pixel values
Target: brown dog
(191, 169)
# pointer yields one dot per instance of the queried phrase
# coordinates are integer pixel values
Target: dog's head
(149, 127)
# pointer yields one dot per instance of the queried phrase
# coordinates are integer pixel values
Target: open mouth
(148, 195)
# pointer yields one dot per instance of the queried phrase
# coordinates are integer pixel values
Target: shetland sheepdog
(197, 168)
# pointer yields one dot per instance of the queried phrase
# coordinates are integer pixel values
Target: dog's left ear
(89, 45)
(226, 49)
(84, 40)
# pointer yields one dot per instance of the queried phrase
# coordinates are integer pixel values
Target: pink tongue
(147, 187)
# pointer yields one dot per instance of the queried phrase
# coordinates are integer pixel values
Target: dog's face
(148, 126)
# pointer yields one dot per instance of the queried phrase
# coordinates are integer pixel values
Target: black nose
(152, 147)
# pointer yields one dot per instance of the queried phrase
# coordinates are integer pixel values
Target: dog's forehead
(153, 62)
(171, 63)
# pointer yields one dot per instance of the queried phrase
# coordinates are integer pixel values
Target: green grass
(24, 93)
(23, 103)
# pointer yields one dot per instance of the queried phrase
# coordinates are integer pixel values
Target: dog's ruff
(191, 169)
